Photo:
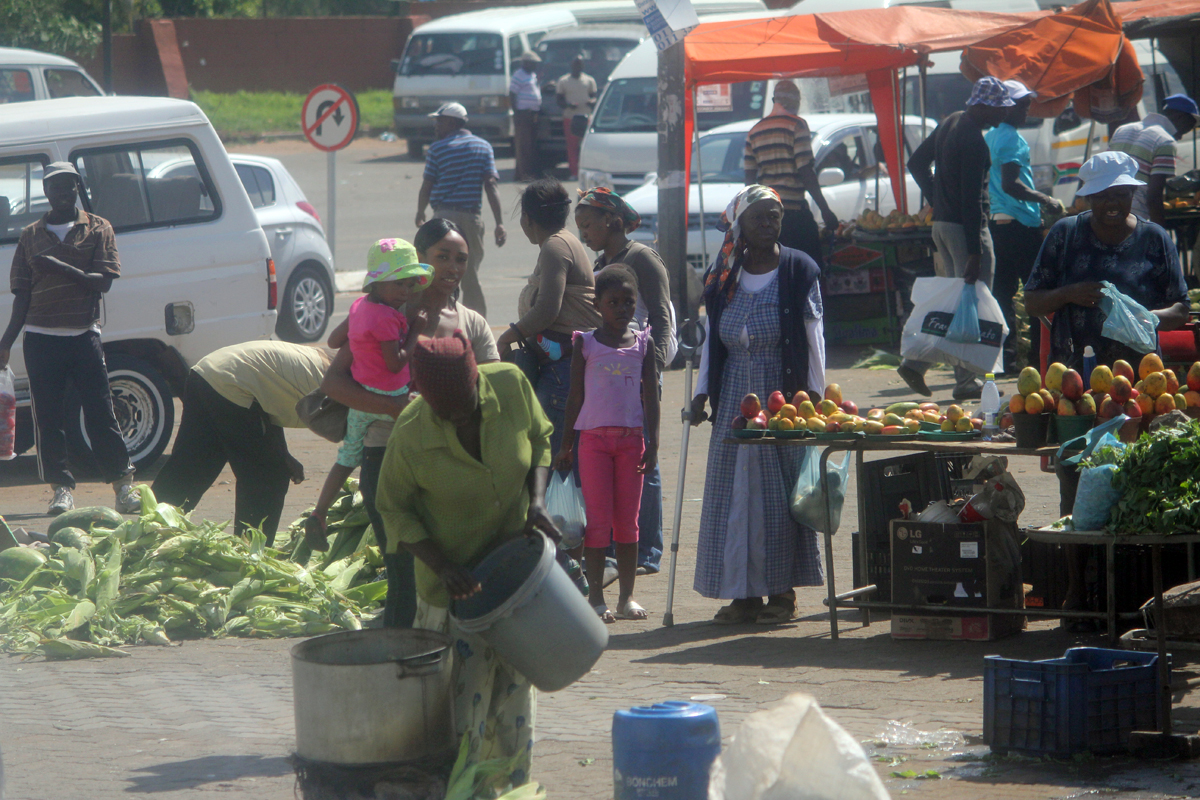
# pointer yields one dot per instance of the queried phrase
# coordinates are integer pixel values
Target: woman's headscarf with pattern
(726, 265)
(610, 201)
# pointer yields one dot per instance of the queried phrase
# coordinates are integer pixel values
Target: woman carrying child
(613, 397)
(381, 341)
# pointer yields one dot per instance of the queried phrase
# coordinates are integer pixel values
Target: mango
(1054, 376)
(806, 410)
(948, 426)
(963, 425)
(1085, 406)
(1193, 398)
(1101, 379)
(1172, 381)
(1017, 404)
(954, 413)
(1072, 385)
(892, 419)
(1193, 377)
(912, 425)
(1155, 384)
(1146, 404)
(1035, 404)
(828, 407)
(815, 424)
(1150, 363)
(1029, 381)
(1124, 368)
(788, 411)
(893, 430)
(873, 427)
(834, 392)
(1164, 404)
(1121, 389)
(1181, 403)
(1066, 408)
(875, 414)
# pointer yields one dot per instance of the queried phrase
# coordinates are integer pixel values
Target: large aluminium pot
(373, 696)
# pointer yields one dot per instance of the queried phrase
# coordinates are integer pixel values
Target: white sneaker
(62, 502)
(129, 500)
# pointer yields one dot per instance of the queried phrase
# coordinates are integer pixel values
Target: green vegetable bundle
(162, 576)
(1159, 482)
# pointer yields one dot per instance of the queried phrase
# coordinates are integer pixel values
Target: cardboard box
(958, 570)
(979, 628)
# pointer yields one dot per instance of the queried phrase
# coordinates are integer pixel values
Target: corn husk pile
(163, 577)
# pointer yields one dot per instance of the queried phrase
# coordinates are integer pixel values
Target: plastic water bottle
(989, 406)
(1089, 364)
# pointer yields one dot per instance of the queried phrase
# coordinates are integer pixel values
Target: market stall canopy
(1147, 18)
(1080, 55)
(872, 41)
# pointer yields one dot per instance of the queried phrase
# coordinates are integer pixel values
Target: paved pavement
(216, 716)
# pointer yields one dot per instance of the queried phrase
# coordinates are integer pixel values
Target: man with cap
(779, 154)
(63, 264)
(459, 168)
(958, 189)
(525, 97)
(1151, 142)
(576, 96)
(1016, 215)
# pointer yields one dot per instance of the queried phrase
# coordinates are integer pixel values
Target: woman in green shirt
(465, 471)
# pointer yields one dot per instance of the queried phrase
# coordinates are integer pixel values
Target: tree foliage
(47, 26)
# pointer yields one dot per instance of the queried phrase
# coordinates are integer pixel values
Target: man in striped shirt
(779, 154)
(1151, 142)
(459, 167)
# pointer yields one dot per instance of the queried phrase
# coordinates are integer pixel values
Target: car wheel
(306, 305)
(144, 409)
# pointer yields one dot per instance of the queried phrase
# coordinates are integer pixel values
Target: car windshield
(453, 54)
(721, 156)
(600, 56)
(630, 105)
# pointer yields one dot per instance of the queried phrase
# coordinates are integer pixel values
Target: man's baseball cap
(989, 91)
(529, 55)
(59, 168)
(1018, 91)
(1181, 102)
(454, 110)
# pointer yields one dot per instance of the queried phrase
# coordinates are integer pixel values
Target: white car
(848, 164)
(303, 261)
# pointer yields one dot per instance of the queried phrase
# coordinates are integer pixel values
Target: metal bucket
(373, 696)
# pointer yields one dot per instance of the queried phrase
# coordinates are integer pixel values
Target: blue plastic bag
(1127, 322)
(564, 502)
(1095, 496)
(808, 498)
(964, 328)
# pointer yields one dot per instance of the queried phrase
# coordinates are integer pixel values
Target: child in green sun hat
(381, 340)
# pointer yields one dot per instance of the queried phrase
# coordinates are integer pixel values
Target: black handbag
(323, 415)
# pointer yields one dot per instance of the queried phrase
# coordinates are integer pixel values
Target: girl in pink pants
(614, 388)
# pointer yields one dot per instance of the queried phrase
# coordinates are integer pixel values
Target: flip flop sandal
(632, 611)
(775, 613)
(605, 615)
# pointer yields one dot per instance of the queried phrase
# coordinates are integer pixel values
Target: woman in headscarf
(465, 471)
(766, 333)
(558, 300)
(604, 218)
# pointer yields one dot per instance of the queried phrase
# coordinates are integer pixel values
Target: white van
(469, 58)
(196, 272)
(33, 75)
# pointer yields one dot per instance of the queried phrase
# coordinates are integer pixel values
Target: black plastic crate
(879, 568)
(1044, 568)
(949, 471)
(886, 482)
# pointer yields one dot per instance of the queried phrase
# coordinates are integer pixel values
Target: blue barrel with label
(664, 751)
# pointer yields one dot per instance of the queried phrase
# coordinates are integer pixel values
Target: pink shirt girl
(371, 324)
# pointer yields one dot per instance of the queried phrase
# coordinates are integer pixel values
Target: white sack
(924, 338)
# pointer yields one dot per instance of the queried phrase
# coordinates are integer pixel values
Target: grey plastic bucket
(533, 615)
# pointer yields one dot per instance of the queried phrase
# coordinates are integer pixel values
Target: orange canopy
(873, 41)
(1080, 54)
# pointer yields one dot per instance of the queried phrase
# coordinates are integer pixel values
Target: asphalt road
(377, 186)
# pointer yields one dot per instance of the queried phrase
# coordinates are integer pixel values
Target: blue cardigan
(797, 273)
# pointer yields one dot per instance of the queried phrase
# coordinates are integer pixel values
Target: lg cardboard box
(960, 571)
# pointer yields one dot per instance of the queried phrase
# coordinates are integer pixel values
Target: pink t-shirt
(612, 383)
(370, 324)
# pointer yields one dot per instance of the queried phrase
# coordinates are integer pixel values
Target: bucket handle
(418, 666)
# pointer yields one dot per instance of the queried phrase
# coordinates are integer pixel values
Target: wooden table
(863, 444)
(1109, 542)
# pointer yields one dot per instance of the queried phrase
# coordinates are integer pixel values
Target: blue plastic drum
(664, 751)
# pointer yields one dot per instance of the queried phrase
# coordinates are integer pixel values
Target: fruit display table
(1110, 541)
(862, 444)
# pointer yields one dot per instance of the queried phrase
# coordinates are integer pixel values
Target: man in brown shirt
(63, 264)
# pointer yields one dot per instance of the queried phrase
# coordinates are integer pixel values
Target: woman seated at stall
(1105, 243)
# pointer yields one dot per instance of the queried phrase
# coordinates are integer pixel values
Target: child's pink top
(370, 324)
(612, 383)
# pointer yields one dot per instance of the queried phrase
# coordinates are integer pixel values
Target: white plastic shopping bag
(564, 502)
(793, 751)
(935, 301)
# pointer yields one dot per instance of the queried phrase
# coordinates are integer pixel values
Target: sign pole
(331, 192)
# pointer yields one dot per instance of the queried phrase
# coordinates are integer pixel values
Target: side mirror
(831, 176)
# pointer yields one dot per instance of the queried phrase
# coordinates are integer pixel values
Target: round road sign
(329, 117)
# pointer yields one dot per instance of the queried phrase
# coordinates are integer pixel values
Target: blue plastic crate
(1088, 701)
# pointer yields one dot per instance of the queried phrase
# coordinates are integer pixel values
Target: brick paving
(216, 716)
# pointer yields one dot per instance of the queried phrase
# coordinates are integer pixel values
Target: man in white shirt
(576, 97)
(1151, 142)
(525, 95)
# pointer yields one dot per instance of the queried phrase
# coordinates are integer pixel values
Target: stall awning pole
(699, 180)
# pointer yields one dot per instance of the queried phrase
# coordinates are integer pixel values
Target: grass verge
(252, 115)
